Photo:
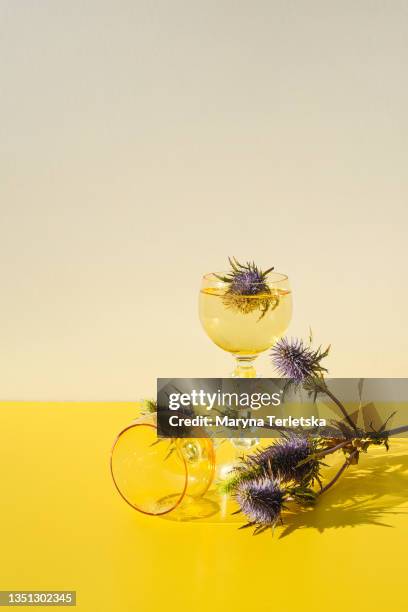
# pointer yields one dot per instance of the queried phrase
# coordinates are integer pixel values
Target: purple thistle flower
(293, 360)
(245, 281)
(248, 282)
(281, 460)
(261, 501)
(289, 460)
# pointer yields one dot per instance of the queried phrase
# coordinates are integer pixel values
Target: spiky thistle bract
(290, 459)
(149, 406)
(297, 361)
(262, 500)
(245, 282)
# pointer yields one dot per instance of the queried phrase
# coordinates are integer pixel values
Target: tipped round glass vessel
(155, 475)
(245, 325)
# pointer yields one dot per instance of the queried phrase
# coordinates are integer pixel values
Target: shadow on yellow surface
(366, 495)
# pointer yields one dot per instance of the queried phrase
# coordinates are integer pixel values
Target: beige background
(143, 142)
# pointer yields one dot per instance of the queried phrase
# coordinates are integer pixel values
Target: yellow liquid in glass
(245, 333)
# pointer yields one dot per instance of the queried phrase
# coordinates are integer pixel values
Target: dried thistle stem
(339, 473)
(338, 403)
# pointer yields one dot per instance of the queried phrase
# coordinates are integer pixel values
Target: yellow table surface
(64, 527)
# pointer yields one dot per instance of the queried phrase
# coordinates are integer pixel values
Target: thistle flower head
(261, 500)
(245, 282)
(245, 279)
(289, 460)
(296, 361)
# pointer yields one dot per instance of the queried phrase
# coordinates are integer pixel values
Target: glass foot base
(244, 367)
(240, 372)
(244, 443)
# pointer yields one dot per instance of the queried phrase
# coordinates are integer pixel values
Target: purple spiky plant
(298, 362)
(262, 502)
(245, 282)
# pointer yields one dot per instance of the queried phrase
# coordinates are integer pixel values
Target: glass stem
(244, 367)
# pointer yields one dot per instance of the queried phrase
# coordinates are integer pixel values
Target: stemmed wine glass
(245, 325)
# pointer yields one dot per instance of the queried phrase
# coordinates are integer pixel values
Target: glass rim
(123, 496)
(279, 278)
(180, 495)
